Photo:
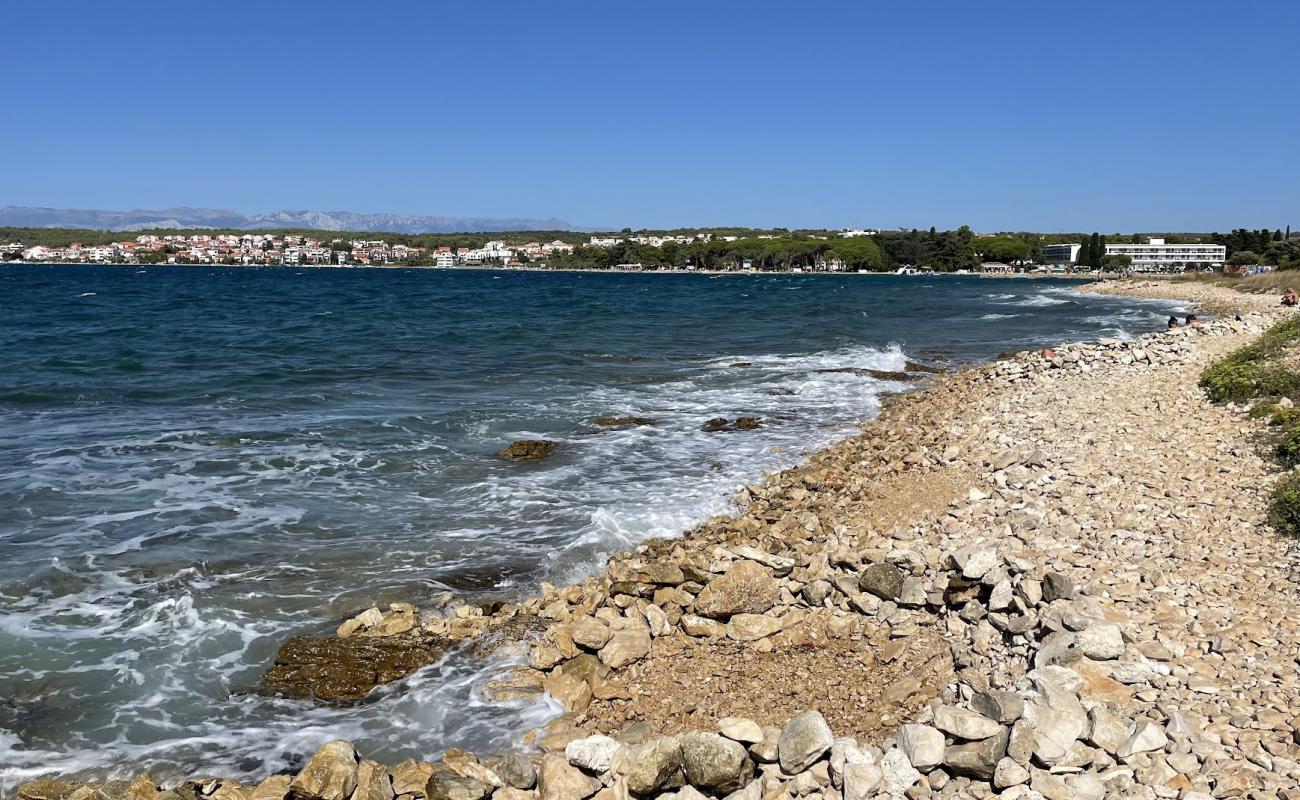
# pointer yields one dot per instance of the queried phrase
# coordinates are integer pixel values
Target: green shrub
(1235, 381)
(1285, 416)
(1264, 409)
(1288, 447)
(1284, 510)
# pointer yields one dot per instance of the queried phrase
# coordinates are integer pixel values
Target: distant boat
(906, 269)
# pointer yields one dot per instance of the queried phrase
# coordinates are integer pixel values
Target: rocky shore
(1047, 577)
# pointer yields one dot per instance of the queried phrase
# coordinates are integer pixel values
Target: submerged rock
(714, 425)
(747, 423)
(334, 670)
(621, 422)
(528, 449)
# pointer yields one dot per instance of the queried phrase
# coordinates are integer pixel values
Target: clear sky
(1045, 115)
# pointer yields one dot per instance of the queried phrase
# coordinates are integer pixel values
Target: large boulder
(594, 754)
(590, 632)
(740, 729)
(977, 759)
(514, 770)
(714, 763)
(330, 774)
(626, 646)
(751, 627)
(558, 780)
(964, 724)
(446, 786)
(804, 739)
(747, 587)
(373, 782)
(923, 745)
(653, 766)
(882, 580)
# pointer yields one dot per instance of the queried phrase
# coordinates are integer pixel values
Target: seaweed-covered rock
(334, 670)
(528, 449)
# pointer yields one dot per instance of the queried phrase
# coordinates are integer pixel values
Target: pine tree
(1095, 251)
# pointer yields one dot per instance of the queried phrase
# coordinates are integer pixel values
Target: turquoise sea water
(196, 462)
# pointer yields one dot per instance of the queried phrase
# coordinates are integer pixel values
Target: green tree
(1243, 258)
(1095, 251)
(1116, 262)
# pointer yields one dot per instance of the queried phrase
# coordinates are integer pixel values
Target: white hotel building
(1156, 256)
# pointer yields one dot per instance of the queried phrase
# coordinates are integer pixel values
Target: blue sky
(1029, 115)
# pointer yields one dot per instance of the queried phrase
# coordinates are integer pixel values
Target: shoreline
(616, 648)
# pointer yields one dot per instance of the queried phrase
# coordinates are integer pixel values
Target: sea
(197, 462)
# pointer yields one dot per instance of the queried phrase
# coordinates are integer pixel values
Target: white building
(446, 260)
(1156, 256)
(1061, 253)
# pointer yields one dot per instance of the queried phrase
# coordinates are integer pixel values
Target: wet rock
(330, 774)
(514, 770)
(411, 777)
(804, 739)
(745, 588)
(882, 580)
(571, 692)
(445, 786)
(373, 782)
(366, 619)
(714, 763)
(715, 424)
(276, 787)
(334, 670)
(620, 422)
(45, 789)
(528, 449)
(747, 423)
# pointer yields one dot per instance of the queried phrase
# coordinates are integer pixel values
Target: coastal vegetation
(1265, 373)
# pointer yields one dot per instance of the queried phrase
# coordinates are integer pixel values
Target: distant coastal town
(742, 250)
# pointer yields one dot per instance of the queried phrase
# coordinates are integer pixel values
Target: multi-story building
(1061, 253)
(1156, 256)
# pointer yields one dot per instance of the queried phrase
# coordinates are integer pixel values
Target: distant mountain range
(183, 217)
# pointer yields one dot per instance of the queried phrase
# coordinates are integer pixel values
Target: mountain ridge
(189, 217)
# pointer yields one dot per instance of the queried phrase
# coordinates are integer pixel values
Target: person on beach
(1192, 320)
(1173, 323)
(1290, 298)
